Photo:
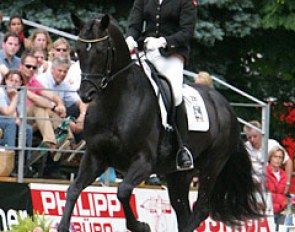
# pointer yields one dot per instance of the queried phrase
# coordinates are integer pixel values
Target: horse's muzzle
(87, 96)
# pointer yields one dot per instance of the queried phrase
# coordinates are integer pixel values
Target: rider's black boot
(184, 158)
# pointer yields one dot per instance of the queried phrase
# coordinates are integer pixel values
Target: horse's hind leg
(178, 187)
(89, 169)
(138, 171)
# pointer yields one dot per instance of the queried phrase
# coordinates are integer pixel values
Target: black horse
(123, 130)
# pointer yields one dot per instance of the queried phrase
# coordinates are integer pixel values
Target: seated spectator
(8, 56)
(9, 106)
(16, 26)
(51, 106)
(40, 38)
(54, 79)
(60, 47)
(204, 78)
(276, 181)
(254, 148)
(41, 57)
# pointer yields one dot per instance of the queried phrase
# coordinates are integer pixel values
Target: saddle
(165, 90)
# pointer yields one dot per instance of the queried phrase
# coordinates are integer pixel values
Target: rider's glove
(131, 43)
(152, 43)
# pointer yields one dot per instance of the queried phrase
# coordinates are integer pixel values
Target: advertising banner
(15, 199)
(98, 210)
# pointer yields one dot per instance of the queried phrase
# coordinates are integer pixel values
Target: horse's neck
(128, 89)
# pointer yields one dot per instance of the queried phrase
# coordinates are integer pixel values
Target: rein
(105, 78)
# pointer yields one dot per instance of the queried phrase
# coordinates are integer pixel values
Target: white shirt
(73, 76)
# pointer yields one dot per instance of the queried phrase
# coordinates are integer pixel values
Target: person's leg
(45, 126)
(74, 112)
(29, 141)
(8, 126)
(184, 159)
(172, 68)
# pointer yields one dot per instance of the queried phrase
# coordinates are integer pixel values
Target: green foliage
(220, 19)
(278, 13)
(248, 43)
(28, 224)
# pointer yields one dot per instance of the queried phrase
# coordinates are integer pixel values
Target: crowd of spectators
(53, 79)
(35, 62)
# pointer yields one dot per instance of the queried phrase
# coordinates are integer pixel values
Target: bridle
(105, 78)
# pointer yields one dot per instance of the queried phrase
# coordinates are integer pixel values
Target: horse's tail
(235, 195)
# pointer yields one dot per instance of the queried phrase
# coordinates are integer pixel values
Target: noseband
(104, 77)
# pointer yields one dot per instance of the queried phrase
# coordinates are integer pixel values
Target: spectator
(276, 181)
(204, 78)
(60, 47)
(54, 79)
(40, 38)
(41, 57)
(9, 106)
(51, 106)
(254, 147)
(8, 58)
(16, 25)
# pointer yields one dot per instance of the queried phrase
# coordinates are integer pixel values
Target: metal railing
(265, 108)
(265, 113)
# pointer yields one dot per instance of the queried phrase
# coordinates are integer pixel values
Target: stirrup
(189, 165)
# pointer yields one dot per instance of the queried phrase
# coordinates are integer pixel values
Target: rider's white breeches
(172, 68)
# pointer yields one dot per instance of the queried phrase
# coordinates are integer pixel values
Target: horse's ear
(79, 23)
(105, 21)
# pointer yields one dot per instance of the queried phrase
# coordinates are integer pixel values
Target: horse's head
(102, 53)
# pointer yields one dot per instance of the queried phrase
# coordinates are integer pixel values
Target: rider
(164, 28)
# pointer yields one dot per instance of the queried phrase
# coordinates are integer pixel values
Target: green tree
(248, 43)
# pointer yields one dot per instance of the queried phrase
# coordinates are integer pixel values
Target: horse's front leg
(89, 169)
(138, 171)
(178, 187)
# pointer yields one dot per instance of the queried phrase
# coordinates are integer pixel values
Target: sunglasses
(32, 67)
(61, 49)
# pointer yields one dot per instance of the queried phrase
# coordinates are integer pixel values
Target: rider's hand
(131, 43)
(152, 43)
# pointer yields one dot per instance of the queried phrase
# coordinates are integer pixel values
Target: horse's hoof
(140, 227)
(62, 229)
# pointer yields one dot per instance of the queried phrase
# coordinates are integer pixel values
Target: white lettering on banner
(47, 201)
(114, 204)
(60, 203)
(100, 203)
(87, 205)
(83, 211)
(262, 225)
(92, 227)
(10, 218)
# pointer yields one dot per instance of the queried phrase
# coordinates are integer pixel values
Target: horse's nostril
(87, 96)
(86, 99)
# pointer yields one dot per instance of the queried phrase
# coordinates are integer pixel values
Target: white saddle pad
(196, 111)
